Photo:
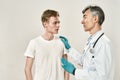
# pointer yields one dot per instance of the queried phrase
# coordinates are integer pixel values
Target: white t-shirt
(47, 55)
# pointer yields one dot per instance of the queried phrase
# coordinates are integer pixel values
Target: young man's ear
(44, 24)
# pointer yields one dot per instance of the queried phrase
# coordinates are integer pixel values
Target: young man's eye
(56, 22)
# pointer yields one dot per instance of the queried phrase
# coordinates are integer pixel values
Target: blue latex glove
(69, 67)
(65, 41)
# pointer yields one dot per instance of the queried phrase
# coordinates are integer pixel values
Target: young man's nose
(58, 25)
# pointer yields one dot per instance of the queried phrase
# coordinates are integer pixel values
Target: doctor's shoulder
(104, 42)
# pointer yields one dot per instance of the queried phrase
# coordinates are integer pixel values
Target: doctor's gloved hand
(65, 41)
(69, 67)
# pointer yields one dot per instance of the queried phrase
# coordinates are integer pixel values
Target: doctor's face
(88, 21)
(52, 25)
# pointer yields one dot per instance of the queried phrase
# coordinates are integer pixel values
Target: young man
(46, 51)
(97, 59)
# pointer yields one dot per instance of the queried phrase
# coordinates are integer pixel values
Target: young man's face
(88, 21)
(52, 26)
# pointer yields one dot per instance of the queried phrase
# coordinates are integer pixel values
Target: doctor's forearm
(75, 55)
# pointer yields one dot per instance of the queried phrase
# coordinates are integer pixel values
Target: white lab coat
(101, 67)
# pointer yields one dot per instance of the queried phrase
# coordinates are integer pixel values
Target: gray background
(20, 22)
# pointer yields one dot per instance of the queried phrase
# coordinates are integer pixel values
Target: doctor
(96, 60)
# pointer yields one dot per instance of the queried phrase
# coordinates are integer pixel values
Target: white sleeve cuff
(82, 74)
(26, 54)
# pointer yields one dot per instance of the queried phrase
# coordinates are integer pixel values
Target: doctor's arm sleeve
(75, 55)
(102, 65)
(30, 51)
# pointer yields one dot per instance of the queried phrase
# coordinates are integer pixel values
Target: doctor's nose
(82, 21)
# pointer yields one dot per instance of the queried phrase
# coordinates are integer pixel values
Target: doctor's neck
(94, 30)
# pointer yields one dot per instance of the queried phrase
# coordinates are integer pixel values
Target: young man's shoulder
(36, 38)
(57, 37)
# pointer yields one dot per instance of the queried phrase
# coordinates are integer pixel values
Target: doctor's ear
(96, 19)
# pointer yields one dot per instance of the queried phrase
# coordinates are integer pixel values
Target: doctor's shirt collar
(95, 36)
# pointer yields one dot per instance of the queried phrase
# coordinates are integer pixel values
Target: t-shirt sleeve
(65, 51)
(30, 51)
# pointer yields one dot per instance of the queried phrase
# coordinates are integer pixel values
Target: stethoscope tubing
(98, 39)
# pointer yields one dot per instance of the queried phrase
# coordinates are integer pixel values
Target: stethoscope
(92, 48)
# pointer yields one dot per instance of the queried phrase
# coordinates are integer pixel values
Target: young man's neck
(47, 36)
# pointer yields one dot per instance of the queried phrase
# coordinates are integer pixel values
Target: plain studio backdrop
(20, 22)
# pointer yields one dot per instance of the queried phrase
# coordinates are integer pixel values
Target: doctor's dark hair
(96, 11)
(47, 14)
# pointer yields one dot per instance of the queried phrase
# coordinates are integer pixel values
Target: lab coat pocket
(91, 65)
